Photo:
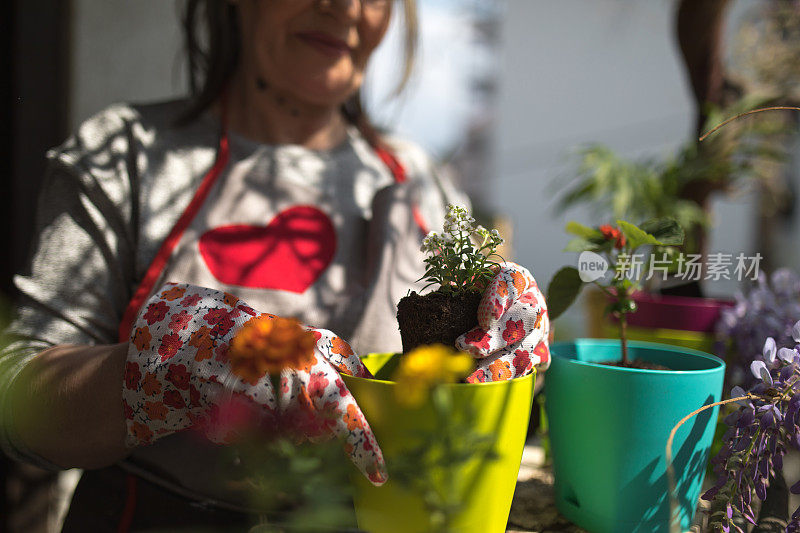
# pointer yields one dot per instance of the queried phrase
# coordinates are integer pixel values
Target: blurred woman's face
(314, 50)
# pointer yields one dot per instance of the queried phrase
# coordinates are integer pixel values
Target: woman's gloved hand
(513, 328)
(178, 375)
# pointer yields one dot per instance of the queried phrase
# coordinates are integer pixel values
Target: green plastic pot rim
(449, 385)
(641, 344)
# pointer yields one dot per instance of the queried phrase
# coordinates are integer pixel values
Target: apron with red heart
(287, 231)
(291, 234)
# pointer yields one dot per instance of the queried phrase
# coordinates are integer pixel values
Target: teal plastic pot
(609, 428)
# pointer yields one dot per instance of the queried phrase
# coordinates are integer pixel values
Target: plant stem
(740, 115)
(275, 379)
(622, 302)
(604, 289)
(623, 326)
(668, 451)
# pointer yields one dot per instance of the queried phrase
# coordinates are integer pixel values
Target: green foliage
(583, 231)
(297, 487)
(617, 245)
(565, 286)
(734, 157)
(631, 190)
(460, 258)
(635, 236)
(667, 231)
(426, 466)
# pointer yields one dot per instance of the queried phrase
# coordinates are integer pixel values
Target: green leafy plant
(679, 186)
(460, 258)
(428, 463)
(292, 483)
(297, 487)
(634, 190)
(615, 248)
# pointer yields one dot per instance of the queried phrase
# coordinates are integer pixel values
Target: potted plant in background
(453, 449)
(675, 310)
(608, 423)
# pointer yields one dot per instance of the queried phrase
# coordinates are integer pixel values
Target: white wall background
(578, 72)
(123, 51)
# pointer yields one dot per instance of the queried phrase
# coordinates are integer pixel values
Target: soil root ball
(436, 317)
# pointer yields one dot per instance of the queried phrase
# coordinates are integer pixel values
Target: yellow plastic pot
(485, 487)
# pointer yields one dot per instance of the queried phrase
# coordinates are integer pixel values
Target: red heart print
(289, 254)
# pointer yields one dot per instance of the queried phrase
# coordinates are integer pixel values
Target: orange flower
(173, 294)
(502, 289)
(156, 410)
(267, 345)
(141, 432)
(150, 384)
(230, 300)
(341, 347)
(201, 339)
(539, 316)
(142, 338)
(352, 419)
(611, 233)
(519, 281)
(500, 370)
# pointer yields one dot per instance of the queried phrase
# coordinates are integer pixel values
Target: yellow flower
(267, 345)
(426, 367)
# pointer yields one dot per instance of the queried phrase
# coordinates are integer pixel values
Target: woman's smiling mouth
(324, 43)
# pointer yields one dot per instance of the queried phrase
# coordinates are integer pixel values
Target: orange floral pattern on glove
(141, 338)
(513, 327)
(173, 293)
(214, 364)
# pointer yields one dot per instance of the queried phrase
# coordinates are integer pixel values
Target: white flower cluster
(487, 235)
(461, 257)
(434, 241)
(457, 219)
(458, 225)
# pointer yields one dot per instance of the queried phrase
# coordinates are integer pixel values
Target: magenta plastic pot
(677, 312)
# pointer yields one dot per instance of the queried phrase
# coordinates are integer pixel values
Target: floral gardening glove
(513, 327)
(178, 375)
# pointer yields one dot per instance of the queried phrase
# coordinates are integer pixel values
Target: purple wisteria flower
(770, 309)
(759, 433)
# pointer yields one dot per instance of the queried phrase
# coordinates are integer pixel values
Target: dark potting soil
(637, 363)
(436, 317)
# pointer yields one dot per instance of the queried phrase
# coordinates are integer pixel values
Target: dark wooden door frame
(36, 55)
(34, 36)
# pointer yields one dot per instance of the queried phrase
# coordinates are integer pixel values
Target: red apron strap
(154, 272)
(167, 247)
(399, 173)
(126, 519)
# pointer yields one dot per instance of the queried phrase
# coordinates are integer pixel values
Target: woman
(270, 184)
